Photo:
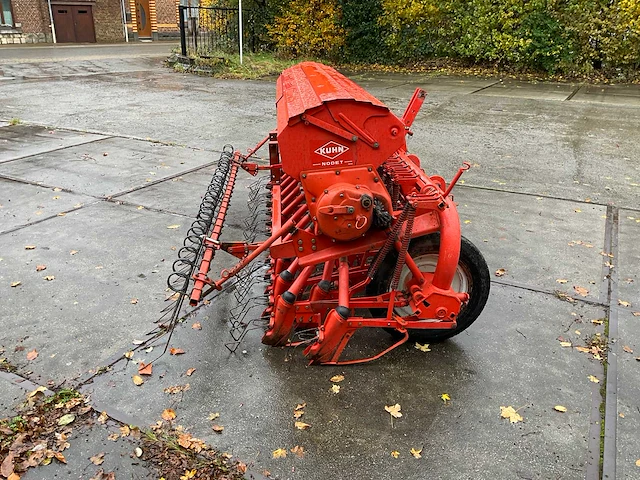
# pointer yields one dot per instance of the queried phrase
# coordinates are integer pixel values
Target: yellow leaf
(213, 416)
(173, 227)
(395, 454)
(97, 459)
(168, 414)
(467, 221)
(335, 388)
(423, 348)
(302, 425)
(599, 321)
(445, 397)
(561, 280)
(129, 354)
(337, 378)
(623, 303)
(48, 278)
(300, 406)
(140, 207)
(56, 197)
(416, 453)
(560, 408)
(583, 349)
(394, 410)
(137, 379)
(103, 417)
(565, 344)
(500, 272)
(125, 430)
(511, 414)
(593, 379)
(638, 463)
(188, 474)
(279, 453)
(15, 284)
(73, 252)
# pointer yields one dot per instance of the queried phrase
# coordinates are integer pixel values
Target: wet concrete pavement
(554, 187)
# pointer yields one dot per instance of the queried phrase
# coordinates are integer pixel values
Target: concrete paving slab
(511, 356)
(85, 443)
(622, 95)
(73, 319)
(536, 91)
(537, 240)
(11, 395)
(21, 203)
(628, 398)
(20, 141)
(107, 167)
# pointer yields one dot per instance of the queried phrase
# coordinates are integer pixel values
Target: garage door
(74, 23)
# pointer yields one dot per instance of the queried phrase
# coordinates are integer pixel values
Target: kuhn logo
(331, 150)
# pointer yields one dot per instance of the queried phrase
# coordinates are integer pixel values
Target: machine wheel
(472, 276)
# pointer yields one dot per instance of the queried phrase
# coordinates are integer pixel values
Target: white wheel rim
(427, 263)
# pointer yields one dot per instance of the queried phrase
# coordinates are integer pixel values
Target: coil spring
(190, 253)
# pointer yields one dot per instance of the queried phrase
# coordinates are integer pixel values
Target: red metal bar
(465, 166)
(343, 282)
(211, 242)
(413, 108)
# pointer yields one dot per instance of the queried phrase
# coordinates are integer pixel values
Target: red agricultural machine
(358, 234)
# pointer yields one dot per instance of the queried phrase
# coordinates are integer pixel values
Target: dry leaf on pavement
(445, 397)
(561, 280)
(48, 278)
(627, 349)
(560, 408)
(190, 372)
(145, 368)
(173, 227)
(97, 459)
(511, 414)
(196, 326)
(337, 378)
(593, 379)
(394, 410)
(500, 272)
(623, 303)
(29, 247)
(298, 451)
(40, 268)
(423, 348)
(176, 351)
(32, 355)
(416, 453)
(103, 417)
(583, 292)
(137, 379)
(302, 425)
(279, 453)
(133, 301)
(335, 388)
(213, 416)
(168, 414)
(395, 454)
(15, 284)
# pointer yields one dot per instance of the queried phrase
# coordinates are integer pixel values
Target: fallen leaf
(335, 388)
(15, 284)
(577, 332)
(511, 414)
(48, 278)
(176, 351)
(103, 417)
(168, 414)
(395, 454)
(621, 415)
(560, 408)
(301, 425)
(593, 379)
(423, 348)
(140, 207)
(627, 349)
(583, 349)
(638, 463)
(60, 457)
(133, 301)
(113, 437)
(583, 292)
(145, 368)
(97, 459)
(13, 476)
(196, 326)
(125, 430)
(445, 397)
(337, 378)
(623, 303)
(416, 453)
(635, 314)
(138, 451)
(565, 344)
(467, 221)
(300, 406)
(213, 416)
(561, 280)
(7, 464)
(73, 252)
(500, 272)
(190, 372)
(137, 379)
(298, 451)
(597, 321)
(66, 419)
(38, 390)
(279, 453)
(129, 354)
(29, 247)
(40, 268)
(32, 355)
(394, 410)
(177, 389)
(173, 227)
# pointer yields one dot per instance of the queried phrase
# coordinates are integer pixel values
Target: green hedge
(555, 36)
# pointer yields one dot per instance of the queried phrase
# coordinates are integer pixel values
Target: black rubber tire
(472, 264)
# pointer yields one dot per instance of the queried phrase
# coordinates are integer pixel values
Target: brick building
(87, 21)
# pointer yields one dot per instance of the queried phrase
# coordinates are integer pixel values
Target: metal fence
(207, 30)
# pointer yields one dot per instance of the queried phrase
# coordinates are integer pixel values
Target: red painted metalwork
(344, 192)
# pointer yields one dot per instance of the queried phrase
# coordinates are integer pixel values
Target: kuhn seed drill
(358, 236)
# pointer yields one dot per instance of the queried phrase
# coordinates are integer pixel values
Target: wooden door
(63, 20)
(143, 18)
(83, 22)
